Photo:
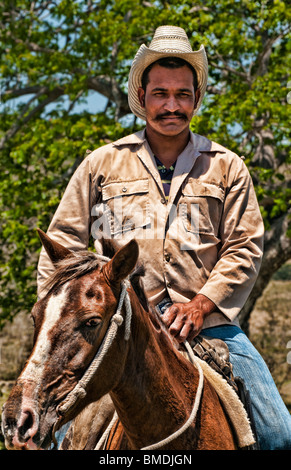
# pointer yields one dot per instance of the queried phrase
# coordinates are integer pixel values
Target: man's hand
(185, 320)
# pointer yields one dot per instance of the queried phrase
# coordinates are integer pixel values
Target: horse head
(70, 323)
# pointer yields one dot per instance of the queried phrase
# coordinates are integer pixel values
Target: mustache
(169, 114)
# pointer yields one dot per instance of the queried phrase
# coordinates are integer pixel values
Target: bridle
(79, 391)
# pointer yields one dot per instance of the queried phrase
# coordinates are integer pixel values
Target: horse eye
(93, 322)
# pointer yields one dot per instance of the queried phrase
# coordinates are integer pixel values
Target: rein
(194, 411)
(79, 391)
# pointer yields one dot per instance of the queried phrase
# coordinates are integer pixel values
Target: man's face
(169, 100)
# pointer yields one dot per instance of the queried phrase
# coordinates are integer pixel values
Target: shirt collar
(200, 143)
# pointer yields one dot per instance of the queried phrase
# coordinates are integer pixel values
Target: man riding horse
(190, 204)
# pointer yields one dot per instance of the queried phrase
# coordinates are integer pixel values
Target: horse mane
(72, 267)
(83, 262)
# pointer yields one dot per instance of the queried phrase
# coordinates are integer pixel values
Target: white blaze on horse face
(36, 364)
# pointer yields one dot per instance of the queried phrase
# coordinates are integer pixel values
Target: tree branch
(264, 56)
(16, 92)
(103, 84)
(227, 67)
(53, 95)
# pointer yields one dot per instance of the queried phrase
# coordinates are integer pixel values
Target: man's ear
(141, 96)
(197, 96)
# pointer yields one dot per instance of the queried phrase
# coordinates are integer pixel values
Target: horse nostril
(27, 424)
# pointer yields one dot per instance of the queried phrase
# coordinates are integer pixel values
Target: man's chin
(172, 128)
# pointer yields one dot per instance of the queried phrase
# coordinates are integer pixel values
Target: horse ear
(55, 250)
(122, 262)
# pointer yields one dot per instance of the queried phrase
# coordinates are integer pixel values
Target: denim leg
(60, 436)
(272, 418)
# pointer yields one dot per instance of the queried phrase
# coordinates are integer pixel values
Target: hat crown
(168, 41)
(170, 38)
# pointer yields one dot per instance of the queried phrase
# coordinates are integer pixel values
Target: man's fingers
(176, 326)
(179, 324)
(189, 332)
(183, 322)
(183, 330)
(170, 315)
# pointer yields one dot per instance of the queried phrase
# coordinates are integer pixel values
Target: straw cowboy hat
(168, 41)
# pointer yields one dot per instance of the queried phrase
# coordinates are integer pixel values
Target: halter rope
(79, 391)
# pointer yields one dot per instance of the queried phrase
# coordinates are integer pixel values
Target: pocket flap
(193, 188)
(124, 188)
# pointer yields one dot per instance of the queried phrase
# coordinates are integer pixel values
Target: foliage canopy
(56, 55)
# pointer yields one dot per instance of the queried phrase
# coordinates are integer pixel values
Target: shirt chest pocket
(201, 207)
(126, 205)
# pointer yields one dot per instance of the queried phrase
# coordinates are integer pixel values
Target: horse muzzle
(20, 429)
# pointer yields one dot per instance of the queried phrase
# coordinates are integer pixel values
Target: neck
(167, 148)
(153, 384)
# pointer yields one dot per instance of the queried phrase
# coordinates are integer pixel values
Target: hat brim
(145, 56)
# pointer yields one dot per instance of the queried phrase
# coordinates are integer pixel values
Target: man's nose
(171, 104)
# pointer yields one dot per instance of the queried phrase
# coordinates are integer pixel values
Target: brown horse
(152, 386)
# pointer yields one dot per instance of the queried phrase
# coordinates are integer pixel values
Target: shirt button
(169, 286)
(124, 190)
(167, 257)
(163, 200)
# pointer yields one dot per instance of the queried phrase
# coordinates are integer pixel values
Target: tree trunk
(277, 250)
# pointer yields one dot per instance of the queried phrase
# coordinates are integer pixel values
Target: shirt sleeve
(70, 225)
(239, 258)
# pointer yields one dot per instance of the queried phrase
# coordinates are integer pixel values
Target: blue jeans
(272, 418)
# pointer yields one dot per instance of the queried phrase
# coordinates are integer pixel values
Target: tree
(57, 53)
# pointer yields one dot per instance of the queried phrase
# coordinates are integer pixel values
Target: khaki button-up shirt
(207, 238)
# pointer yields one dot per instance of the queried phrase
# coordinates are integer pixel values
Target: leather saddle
(216, 353)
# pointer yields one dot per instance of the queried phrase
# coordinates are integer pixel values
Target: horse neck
(152, 385)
